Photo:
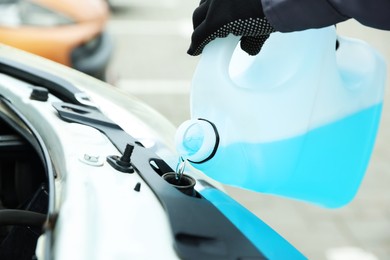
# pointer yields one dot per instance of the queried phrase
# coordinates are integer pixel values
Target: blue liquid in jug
(325, 165)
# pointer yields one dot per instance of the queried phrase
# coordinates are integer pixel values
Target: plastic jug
(298, 120)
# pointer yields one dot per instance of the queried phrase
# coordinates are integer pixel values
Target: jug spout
(197, 140)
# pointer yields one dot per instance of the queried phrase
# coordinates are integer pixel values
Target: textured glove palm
(217, 18)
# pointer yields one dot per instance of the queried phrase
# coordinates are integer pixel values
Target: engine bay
(24, 193)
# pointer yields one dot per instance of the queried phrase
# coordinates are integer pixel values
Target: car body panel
(100, 214)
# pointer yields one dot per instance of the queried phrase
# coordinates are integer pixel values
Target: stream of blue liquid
(325, 165)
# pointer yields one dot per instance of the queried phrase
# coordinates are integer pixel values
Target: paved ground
(150, 61)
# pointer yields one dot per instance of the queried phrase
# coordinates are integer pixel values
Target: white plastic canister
(298, 120)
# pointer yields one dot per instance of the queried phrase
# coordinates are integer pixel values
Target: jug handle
(217, 55)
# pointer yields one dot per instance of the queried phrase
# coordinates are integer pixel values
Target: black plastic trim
(58, 86)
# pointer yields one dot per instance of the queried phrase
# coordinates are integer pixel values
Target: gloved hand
(218, 18)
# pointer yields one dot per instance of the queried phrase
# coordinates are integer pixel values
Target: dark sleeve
(296, 15)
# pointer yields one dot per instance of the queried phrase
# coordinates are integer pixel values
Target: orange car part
(57, 42)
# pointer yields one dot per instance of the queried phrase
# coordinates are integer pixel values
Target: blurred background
(140, 46)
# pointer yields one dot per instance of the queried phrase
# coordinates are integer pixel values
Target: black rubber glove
(218, 18)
